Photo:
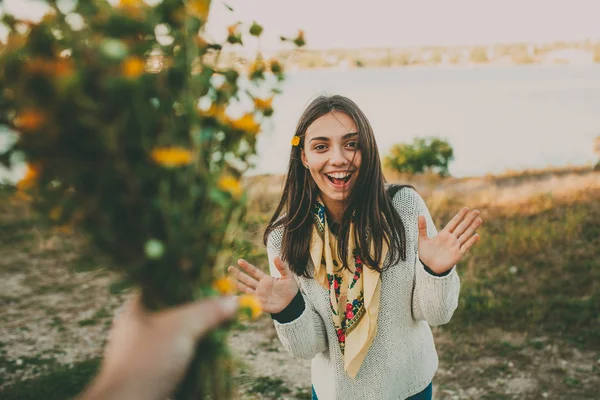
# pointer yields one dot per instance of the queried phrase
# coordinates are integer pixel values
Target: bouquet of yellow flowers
(134, 131)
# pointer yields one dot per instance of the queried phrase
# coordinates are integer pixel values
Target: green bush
(423, 155)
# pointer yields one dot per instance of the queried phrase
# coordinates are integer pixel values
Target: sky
(396, 23)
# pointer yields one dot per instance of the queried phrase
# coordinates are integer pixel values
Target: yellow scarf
(353, 294)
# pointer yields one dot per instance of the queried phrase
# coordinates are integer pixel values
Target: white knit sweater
(402, 359)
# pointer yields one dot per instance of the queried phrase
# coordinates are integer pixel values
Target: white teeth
(339, 175)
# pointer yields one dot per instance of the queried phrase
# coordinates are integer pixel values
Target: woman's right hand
(273, 294)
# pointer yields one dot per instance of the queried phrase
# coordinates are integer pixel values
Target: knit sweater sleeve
(434, 297)
(305, 336)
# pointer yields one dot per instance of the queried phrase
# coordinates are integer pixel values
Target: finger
(251, 269)
(422, 227)
(465, 247)
(243, 288)
(281, 267)
(238, 275)
(467, 221)
(456, 220)
(205, 315)
(470, 231)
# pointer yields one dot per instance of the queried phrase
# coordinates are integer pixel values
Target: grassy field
(527, 327)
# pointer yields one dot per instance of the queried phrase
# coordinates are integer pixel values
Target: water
(495, 118)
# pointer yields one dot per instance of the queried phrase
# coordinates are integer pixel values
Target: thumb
(206, 315)
(423, 228)
(281, 267)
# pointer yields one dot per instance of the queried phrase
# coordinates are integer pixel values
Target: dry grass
(527, 326)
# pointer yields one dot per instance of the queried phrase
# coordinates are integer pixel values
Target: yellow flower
(232, 29)
(295, 141)
(133, 67)
(258, 67)
(249, 305)
(171, 156)
(130, 3)
(199, 8)
(299, 41)
(30, 178)
(30, 120)
(263, 104)
(224, 286)
(231, 185)
(246, 123)
(132, 7)
(217, 111)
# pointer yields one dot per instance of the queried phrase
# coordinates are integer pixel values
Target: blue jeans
(426, 394)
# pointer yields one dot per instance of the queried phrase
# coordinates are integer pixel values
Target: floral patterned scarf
(353, 294)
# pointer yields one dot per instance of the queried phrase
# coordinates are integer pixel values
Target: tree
(423, 155)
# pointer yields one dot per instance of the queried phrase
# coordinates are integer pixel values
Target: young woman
(358, 271)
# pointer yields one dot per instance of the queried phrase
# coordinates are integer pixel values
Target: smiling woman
(332, 156)
(358, 269)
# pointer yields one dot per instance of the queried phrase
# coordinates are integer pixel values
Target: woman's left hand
(442, 252)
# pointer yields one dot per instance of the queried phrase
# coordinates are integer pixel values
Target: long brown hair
(368, 204)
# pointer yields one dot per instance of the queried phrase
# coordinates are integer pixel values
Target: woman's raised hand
(449, 246)
(273, 294)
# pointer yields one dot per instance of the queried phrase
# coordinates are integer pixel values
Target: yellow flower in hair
(249, 305)
(171, 156)
(295, 141)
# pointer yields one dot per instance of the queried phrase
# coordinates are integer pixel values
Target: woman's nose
(338, 158)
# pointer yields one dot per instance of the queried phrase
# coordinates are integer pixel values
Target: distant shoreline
(445, 67)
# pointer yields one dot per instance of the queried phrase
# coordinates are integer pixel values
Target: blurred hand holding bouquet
(123, 114)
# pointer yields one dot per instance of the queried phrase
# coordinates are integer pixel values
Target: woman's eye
(354, 145)
(320, 147)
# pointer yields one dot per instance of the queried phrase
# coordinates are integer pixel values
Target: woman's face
(332, 156)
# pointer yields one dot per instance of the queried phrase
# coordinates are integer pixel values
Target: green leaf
(255, 29)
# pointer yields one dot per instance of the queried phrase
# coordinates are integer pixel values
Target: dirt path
(52, 316)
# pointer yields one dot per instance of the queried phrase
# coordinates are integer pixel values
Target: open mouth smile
(339, 179)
